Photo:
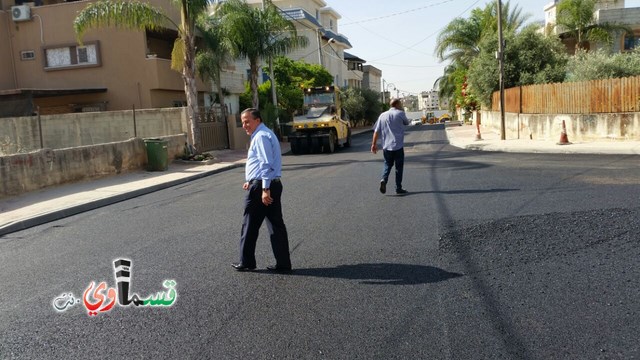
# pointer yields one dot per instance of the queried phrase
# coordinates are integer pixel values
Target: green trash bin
(157, 154)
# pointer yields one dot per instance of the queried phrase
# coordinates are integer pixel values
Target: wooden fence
(589, 97)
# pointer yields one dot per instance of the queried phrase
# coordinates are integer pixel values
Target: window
(65, 57)
(631, 42)
(27, 55)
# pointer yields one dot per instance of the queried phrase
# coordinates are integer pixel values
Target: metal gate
(214, 134)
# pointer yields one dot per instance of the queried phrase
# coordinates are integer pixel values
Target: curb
(95, 204)
(92, 205)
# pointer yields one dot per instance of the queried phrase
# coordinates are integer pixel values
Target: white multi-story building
(430, 101)
(371, 78)
(355, 70)
(319, 23)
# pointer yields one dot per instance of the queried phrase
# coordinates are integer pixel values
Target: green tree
(529, 58)
(134, 15)
(211, 60)
(449, 82)
(362, 105)
(300, 74)
(353, 103)
(576, 18)
(373, 106)
(291, 77)
(459, 41)
(257, 34)
(460, 44)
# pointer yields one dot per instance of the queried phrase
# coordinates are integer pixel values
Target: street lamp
(385, 89)
(320, 51)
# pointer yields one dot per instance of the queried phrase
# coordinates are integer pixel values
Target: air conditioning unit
(21, 13)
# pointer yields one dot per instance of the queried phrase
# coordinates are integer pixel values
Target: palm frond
(131, 15)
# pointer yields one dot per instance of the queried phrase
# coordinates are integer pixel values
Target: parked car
(416, 122)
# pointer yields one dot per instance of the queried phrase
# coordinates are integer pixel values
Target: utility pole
(501, 65)
(319, 48)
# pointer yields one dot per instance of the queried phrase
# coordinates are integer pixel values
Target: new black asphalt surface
(490, 256)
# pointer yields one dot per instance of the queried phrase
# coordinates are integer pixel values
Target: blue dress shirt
(390, 126)
(264, 159)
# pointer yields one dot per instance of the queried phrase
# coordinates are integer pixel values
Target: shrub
(601, 64)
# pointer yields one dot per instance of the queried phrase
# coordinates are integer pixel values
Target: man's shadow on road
(381, 273)
(452, 192)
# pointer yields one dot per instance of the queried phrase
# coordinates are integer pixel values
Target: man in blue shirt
(390, 128)
(262, 175)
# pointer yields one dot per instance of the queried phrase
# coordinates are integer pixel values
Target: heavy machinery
(428, 118)
(323, 126)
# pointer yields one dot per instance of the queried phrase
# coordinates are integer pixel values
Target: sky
(398, 37)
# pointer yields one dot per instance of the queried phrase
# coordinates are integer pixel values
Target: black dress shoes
(240, 267)
(277, 268)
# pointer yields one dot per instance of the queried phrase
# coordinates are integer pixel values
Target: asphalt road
(490, 256)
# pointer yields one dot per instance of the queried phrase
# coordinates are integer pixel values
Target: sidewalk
(465, 137)
(49, 204)
(42, 206)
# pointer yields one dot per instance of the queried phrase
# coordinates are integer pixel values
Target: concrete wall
(22, 134)
(238, 138)
(580, 127)
(21, 173)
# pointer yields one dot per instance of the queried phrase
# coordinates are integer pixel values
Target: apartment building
(319, 23)
(355, 71)
(606, 11)
(371, 78)
(430, 101)
(46, 70)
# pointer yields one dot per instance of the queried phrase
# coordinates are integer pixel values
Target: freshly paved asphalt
(490, 256)
(38, 207)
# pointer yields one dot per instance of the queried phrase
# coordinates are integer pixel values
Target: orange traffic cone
(564, 140)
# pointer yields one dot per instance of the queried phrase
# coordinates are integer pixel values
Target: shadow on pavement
(381, 273)
(456, 192)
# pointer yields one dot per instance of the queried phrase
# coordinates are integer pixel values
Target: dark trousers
(391, 158)
(254, 214)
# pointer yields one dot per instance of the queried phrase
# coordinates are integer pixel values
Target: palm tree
(211, 60)
(577, 18)
(257, 34)
(460, 40)
(446, 84)
(134, 15)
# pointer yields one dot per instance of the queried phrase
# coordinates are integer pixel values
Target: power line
(411, 66)
(320, 48)
(430, 35)
(396, 14)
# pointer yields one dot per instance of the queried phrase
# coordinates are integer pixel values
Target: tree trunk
(253, 82)
(192, 106)
(191, 91)
(223, 107)
(189, 75)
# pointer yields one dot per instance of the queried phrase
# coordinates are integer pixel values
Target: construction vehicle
(323, 126)
(444, 117)
(427, 118)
